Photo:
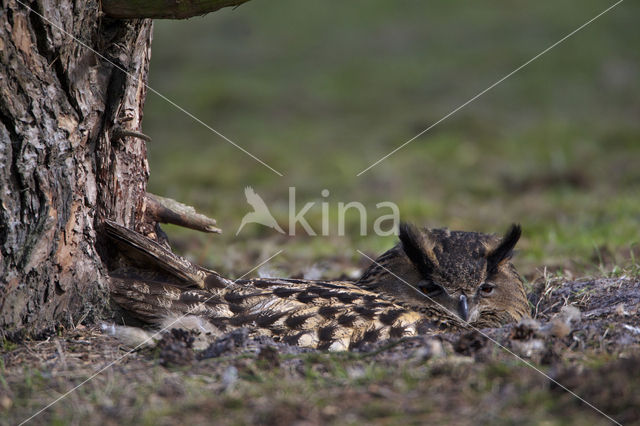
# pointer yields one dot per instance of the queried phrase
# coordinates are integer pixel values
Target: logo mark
(260, 213)
(384, 225)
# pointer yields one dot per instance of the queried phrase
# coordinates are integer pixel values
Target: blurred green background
(320, 90)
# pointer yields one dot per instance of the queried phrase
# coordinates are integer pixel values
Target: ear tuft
(413, 244)
(504, 250)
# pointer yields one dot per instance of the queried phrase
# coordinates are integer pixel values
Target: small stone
(559, 328)
(436, 348)
(5, 402)
(632, 328)
(570, 314)
(227, 344)
(621, 311)
(356, 372)
(176, 348)
(526, 329)
(330, 410)
(432, 349)
(269, 356)
(470, 343)
(528, 348)
(230, 376)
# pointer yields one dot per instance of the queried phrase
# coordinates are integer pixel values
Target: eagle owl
(433, 280)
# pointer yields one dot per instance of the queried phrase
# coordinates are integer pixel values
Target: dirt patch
(176, 348)
(584, 335)
(612, 388)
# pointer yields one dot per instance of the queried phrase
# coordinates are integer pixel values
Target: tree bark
(62, 170)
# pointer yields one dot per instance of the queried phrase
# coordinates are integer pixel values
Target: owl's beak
(463, 307)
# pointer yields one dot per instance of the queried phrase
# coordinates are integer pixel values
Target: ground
(513, 374)
(320, 91)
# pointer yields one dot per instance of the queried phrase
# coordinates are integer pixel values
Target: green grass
(320, 90)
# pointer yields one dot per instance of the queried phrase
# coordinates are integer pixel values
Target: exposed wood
(166, 210)
(168, 9)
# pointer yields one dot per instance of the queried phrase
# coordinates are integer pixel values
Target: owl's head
(469, 274)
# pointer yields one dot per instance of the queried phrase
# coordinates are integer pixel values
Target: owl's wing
(148, 255)
(332, 316)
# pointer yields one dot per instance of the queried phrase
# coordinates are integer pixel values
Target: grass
(416, 380)
(320, 388)
(321, 90)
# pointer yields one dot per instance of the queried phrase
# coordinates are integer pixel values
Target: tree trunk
(64, 165)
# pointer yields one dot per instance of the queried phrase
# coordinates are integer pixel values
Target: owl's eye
(486, 289)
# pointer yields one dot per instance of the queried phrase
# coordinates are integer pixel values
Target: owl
(432, 281)
(469, 274)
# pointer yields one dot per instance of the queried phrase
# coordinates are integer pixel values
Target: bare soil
(520, 373)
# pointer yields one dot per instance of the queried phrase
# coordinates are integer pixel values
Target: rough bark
(62, 172)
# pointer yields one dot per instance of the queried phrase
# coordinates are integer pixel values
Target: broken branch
(164, 9)
(166, 210)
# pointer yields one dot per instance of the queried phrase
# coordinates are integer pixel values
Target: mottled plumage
(433, 281)
(325, 315)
